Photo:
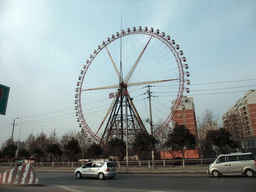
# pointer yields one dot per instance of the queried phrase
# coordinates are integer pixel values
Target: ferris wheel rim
(156, 34)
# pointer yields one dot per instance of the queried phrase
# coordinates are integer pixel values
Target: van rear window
(245, 157)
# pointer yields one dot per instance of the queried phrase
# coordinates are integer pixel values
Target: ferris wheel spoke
(129, 75)
(114, 65)
(99, 88)
(104, 119)
(149, 82)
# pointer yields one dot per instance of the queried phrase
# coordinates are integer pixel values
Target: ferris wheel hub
(123, 85)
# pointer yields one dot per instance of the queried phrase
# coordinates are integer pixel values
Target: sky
(44, 45)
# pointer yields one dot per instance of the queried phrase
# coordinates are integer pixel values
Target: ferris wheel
(115, 84)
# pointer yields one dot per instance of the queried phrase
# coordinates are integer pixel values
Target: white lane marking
(68, 188)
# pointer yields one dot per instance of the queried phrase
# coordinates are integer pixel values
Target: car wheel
(249, 173)
(78, 175)
(101, 176)
(215, 174)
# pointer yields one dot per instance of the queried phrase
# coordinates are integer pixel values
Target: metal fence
(120, 164)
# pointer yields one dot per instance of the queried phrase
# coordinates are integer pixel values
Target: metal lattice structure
(100, 75)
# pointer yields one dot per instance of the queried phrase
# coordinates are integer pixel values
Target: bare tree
(53, 139)
(83, 141)
(37, 146)
(163, 137)
(207, 122)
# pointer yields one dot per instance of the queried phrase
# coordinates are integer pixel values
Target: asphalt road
(56, 182)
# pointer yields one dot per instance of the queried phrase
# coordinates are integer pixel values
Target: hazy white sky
(44, 44)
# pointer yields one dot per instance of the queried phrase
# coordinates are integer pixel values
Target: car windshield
(221, 160)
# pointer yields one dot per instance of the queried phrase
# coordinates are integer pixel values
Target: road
(61, 182)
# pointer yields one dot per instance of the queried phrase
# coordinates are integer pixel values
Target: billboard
(4, 94)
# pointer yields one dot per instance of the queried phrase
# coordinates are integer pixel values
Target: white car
(234, 163)
(100, 169)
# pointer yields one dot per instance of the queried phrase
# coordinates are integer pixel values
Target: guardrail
(120, 164)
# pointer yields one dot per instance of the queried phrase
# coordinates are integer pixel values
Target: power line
(225, 81)
(57, 118)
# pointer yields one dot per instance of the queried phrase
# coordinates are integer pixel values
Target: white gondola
(152, 29)
(187, 90)
(84, 66)
(75, 95)
(79, 78)
(75, 101)
(173, 41)
(108, 39)
(157, 31)
(184, 59)
(103, 42)
(187, 73)
(163, 34)
(177, 47)
(140, 28)
(134, 29)
(98, 46)
(181, 52)
(168, 37)
(186, 66)
(128, 30)
(113, 36)
(87, 61)
(117, 34)
(122, 31)
(188, 82)
(146, 29)
(82, 72)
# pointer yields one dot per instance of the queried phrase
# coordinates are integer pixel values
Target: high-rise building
(185, 115)
(240, 119)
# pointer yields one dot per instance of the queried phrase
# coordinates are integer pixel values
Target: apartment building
(240, 119)
(185, 115)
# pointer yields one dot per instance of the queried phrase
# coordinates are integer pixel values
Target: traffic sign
(4, 94)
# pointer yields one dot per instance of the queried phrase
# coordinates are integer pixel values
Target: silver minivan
(100, 169)
(234, 163)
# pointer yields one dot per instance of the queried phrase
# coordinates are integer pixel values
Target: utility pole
(13, 125)
(151, 124)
